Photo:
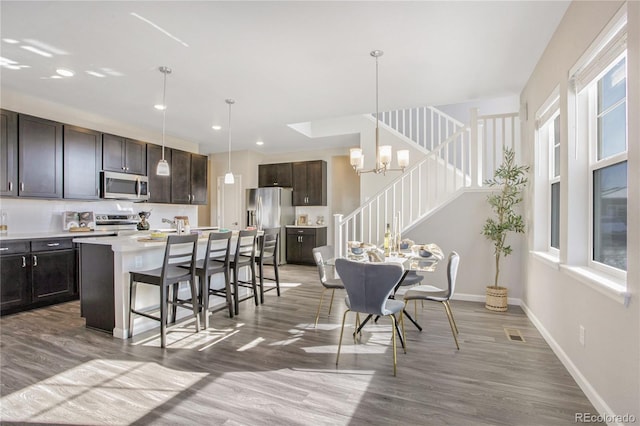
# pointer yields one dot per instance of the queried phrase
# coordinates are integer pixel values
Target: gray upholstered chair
(435, 294)
(321, 255)
(181, 250)
(368, 287)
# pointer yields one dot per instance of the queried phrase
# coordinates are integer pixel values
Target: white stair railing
(463, 160)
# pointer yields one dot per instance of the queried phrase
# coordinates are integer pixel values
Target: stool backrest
(218, 250)
(268, 243)
(246, 246)
(181, 249)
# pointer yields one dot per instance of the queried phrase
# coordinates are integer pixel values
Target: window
(608, 167)
(554, 181)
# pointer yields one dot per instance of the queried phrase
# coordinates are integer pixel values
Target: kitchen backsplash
(25, 215)
(313, 213)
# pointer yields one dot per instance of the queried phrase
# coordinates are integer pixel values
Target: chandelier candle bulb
(403, 158)
(385, 154)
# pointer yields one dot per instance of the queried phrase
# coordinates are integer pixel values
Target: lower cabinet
(301, 241)
(36, 273)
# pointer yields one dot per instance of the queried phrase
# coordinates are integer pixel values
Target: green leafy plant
(512, 179)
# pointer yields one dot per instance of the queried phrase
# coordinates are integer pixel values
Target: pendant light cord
(164, 109)
(377, 120)
(229, 169)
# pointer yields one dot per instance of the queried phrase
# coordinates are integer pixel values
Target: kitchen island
(105, 263)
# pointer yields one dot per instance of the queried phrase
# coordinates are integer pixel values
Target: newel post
(475, 150)
(337, 235)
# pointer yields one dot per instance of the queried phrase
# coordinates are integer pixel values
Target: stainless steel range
(121, 223)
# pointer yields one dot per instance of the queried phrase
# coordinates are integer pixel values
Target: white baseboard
(593, 396)
(482, 298)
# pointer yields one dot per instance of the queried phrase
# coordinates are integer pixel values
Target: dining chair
(435, 294)
(180, 250)
(267, 255)
(368, 287)
(244, 256)
(216, 261)
(321, 255)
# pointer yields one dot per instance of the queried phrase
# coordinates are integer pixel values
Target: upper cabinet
(124, 155)
(82, 163)
(279, 174)
(159, 186)
(8, 153)
(188, 178)
(39, 157)
(310, 183)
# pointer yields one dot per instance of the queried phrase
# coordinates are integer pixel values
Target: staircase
(457, 158)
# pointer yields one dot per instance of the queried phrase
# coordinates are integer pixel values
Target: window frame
(552, 178)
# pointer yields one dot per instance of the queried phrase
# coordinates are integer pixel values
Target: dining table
(416, 258)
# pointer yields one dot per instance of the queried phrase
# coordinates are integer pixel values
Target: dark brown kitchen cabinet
(310, 183)
(39, 157)
(301, 241)
(159, 186)
(37, 273)
(188, 178)
(279, 174)
(82, 163)
(124, 155)
(8, 153)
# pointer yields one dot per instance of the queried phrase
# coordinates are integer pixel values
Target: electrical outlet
(581, 336)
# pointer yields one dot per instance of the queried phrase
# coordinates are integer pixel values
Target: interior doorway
(230, 203)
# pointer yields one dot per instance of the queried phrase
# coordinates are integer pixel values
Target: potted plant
(511, 179)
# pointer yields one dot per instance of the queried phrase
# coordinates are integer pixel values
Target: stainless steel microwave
(122, 186)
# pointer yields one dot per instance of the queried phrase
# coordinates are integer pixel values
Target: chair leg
(195, 304)
(319, 306)
(453, 329)
(261, 269)
(227, 290)
(163, 315)
(344, 317)
(393, 339)
(174, 306)
(333, 292)
(254, 285)
(451, 312)
(132, 304)
(205, 282)
(236, 303)
(404, 335)
(276, 275)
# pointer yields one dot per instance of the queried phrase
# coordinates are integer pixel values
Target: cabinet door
(284, 175)
(135, 157)
(113, 153)
(299, 171)
(307, 244)
(8, 153)
(40, 157)
(14, 281)
(198, 179)
(293, 248)
(159, 186)
(180, 177)
(82, 163)
(316, 183)
(53, 275)
(267, 175)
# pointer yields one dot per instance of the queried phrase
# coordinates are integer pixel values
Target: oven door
(122, 186)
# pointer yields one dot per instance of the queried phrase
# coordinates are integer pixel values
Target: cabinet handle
(10, 186)
(4, 248)
(53, 244)
(189, 197)
(35, 260)
(24, 262)
(21, 186)
(126, 168)
(123, 169)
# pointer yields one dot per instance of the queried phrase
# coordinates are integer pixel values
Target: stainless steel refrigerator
(271, 208)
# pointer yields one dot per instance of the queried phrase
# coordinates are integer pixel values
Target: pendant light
(163, 167)
(383, 153)
(228, 177)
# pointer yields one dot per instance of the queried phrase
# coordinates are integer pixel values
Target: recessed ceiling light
(10, 41)
(259, 143)
(160, 107)
(95, 74)
(65, 72)
(216, 127)
(37, 51)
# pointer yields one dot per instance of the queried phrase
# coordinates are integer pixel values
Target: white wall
(607, 367)
(501, 105)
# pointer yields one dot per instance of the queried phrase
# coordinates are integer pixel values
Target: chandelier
(384, 152)
(162, 169)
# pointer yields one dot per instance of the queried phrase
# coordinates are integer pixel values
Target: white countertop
(306, 226)
(58, 234)
(134, 242)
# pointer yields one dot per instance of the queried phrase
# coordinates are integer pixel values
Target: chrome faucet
(178, 224)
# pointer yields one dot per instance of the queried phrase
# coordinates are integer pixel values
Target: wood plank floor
(270, 366)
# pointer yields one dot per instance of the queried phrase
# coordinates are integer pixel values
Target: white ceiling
(283, 62)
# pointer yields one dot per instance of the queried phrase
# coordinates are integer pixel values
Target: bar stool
(181, 250)
(268, 244)
(216, 261)
(244, 255)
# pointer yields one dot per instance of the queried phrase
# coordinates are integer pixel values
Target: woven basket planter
(496, 299)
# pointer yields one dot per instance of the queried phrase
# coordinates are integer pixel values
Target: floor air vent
(514, 334)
